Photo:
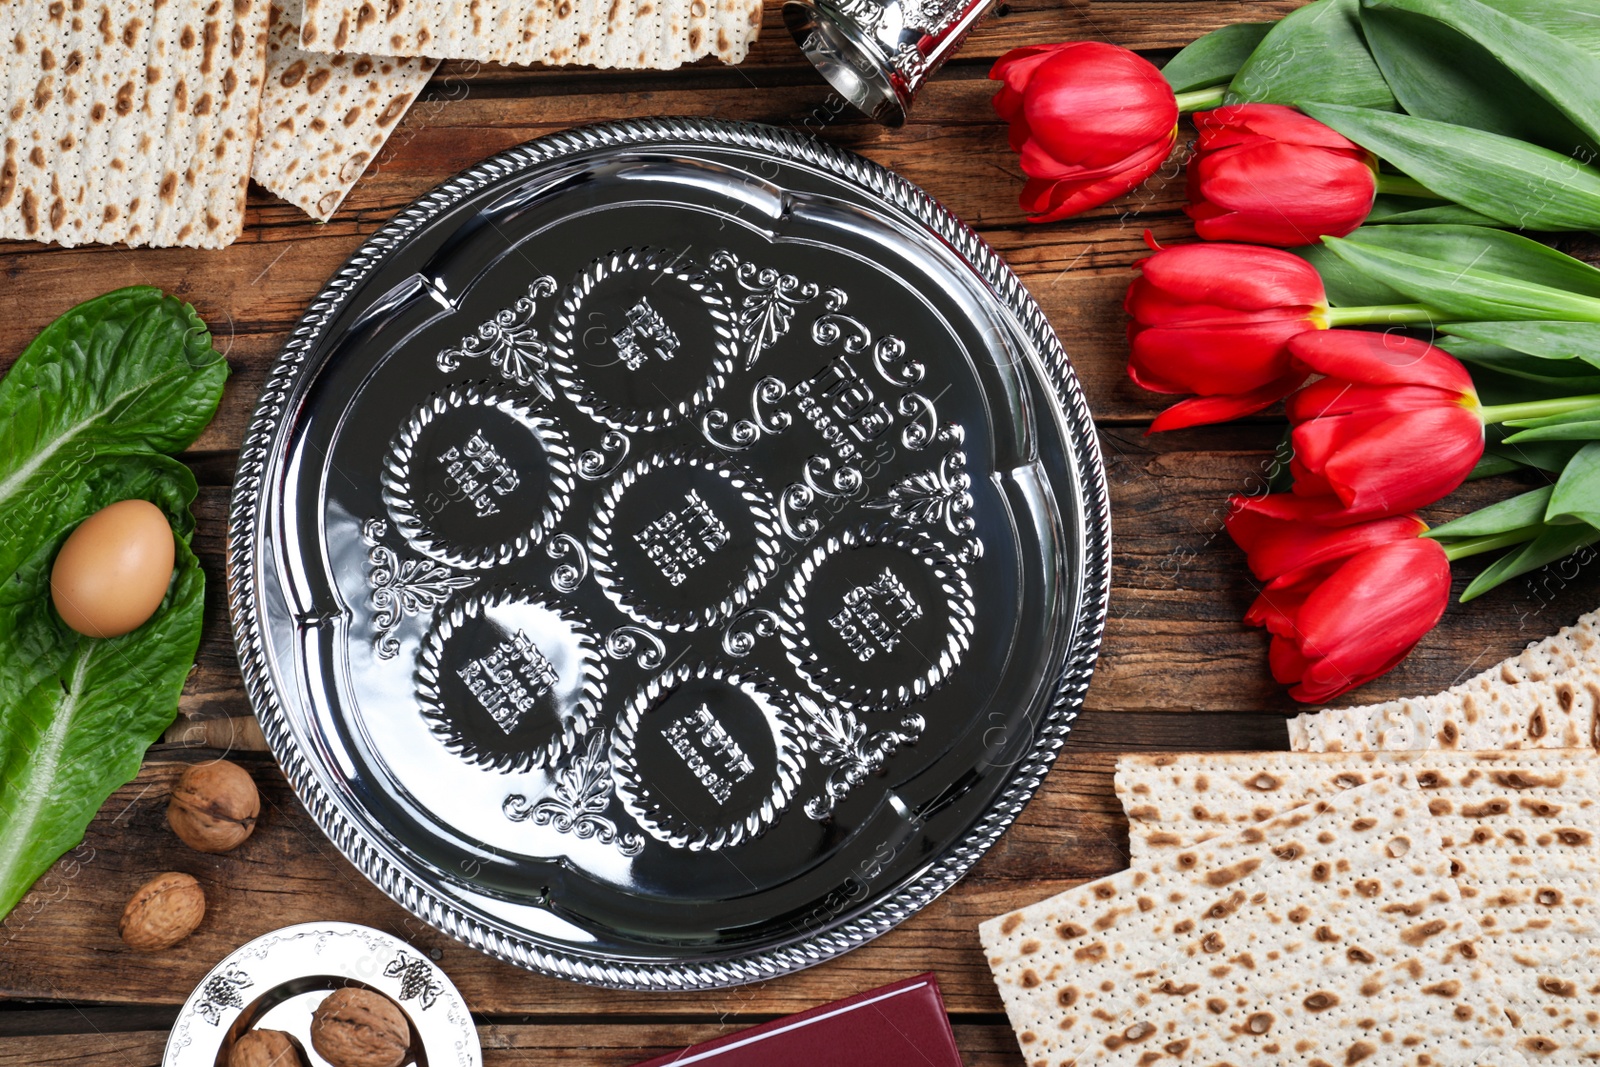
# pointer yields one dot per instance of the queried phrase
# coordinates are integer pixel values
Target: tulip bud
(1393, 425)
(1091, 120)
(1266, 174)
(1343, 605)
(1216, 320)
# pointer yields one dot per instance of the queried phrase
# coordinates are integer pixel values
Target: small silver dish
(276, 981)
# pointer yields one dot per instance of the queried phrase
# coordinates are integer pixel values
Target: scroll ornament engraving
(567, 576)
(770, 301)
(222, 991)
(416, 979)
(841, 742)
(511, 342)
(578, 804)
(403, 588)
(748, 627)
(594, 465)
(820, 483)
(746, 432)
(626, 641)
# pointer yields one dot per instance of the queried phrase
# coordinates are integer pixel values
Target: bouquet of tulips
(1360, 170)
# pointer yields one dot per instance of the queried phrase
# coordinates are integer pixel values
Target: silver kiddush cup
(879, 53)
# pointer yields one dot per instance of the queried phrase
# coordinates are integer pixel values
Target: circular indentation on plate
(510, 681)
(683, 539)
(475, 477)
(876, 618)
(705, 758)
(643, 339)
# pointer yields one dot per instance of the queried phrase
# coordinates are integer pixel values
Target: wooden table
(1179, 670)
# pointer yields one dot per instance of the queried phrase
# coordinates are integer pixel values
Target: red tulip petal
(1369, 613)
(1213, 360)
(1405, 463)
(1279, 549)
(1246, 277)
(1286, 662)
(1383, 359)
(1094, 103)
(1250, 123)
(1279, 194)
(1203, 410)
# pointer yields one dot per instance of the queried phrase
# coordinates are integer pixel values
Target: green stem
(1388, 315)
(1476, 546)
(1400, 185)
(1202, 99)
(1536, 409)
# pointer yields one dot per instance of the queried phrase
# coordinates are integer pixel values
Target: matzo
(129, 120)
(325, 117)
(659, 34)
(1520, 829)
(1331, 935)
(1546, 697)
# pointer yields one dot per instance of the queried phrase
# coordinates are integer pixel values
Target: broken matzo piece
(128, 120)
(324, 118)
(1329, 935)
(658, 34)
(1548, 696)
(1520, 829)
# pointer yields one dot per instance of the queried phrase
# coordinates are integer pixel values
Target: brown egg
(113, 571)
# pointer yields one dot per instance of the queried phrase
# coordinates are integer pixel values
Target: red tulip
(1343, 604)
(1267, 174)
(1090, 119)
(1394, 425)
(1216, 320)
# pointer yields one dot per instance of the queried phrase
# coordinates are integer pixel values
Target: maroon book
(900, 1025)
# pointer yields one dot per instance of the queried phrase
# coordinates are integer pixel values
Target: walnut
(162, 912)
(214, 806)
(359, 1028)
(266, 1048)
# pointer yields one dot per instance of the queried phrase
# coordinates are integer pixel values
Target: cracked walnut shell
(359, 1028)
(214, 806)
(162, 912)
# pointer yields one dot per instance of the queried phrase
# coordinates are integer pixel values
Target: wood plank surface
(1174, 644)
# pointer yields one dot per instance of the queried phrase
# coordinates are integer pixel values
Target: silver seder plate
(276, 981)
(669, 554)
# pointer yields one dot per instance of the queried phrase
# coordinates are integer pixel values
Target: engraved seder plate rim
(336, 950)
(451, 907)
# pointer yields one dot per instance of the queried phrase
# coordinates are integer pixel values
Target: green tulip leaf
(1552, 341)
(1346, 286)
(1215, 58)
(1492, 466)
(1314, 53)
(1574, 21)
(1551, 457)
(1565, 431)
(1415, 211)
(1464, 292)
(1487, 249)
(1587, 414)
(1559, 377)
(1521, 185)
(1555, 543)
(1577, 493)
(1446, 68)
(1502, 517)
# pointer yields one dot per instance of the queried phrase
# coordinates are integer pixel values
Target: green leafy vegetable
(1518, 184)
(1440, 66)
(1215, 58)
(1314, 53)
(83, 413)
